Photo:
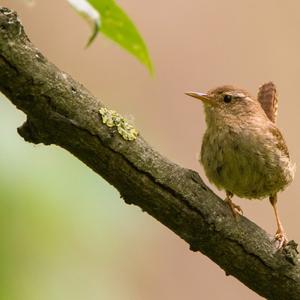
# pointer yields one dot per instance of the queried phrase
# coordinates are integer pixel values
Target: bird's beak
(201, 96)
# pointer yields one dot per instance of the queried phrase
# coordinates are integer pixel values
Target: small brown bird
(243, 152)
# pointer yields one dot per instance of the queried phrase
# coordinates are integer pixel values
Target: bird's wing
(267, 97)
(280, 142)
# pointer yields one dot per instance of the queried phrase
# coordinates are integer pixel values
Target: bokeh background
(64, 232)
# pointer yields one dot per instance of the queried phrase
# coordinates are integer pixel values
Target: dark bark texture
(61, 111)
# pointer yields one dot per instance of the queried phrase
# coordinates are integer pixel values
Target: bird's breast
(244, 162)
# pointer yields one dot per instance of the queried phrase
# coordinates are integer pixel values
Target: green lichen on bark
(112, 119)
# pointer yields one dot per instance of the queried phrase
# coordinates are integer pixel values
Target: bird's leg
(279, 235)
(236, 210)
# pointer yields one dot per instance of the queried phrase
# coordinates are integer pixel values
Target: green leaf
(116, 25)
(90, 14)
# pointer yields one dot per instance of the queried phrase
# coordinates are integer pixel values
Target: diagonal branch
(61, 111)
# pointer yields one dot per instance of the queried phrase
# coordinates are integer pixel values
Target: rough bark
(61, 111)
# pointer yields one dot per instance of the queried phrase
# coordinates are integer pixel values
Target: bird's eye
(227, 98)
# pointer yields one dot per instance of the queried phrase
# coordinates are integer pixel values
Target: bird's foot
(235, 209)
(281, 239)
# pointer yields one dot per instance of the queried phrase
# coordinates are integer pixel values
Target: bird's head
(227, 102)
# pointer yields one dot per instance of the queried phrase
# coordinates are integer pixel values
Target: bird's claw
(281, 239)
(235, 209)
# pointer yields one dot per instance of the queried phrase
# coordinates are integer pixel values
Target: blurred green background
(65, 233)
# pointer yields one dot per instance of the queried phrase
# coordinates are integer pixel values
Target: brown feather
(267, 97)
(227, 88)
(281, 144)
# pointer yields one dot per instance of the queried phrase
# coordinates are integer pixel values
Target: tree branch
(60, 111)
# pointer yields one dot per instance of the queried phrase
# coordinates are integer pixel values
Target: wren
(243, 152)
